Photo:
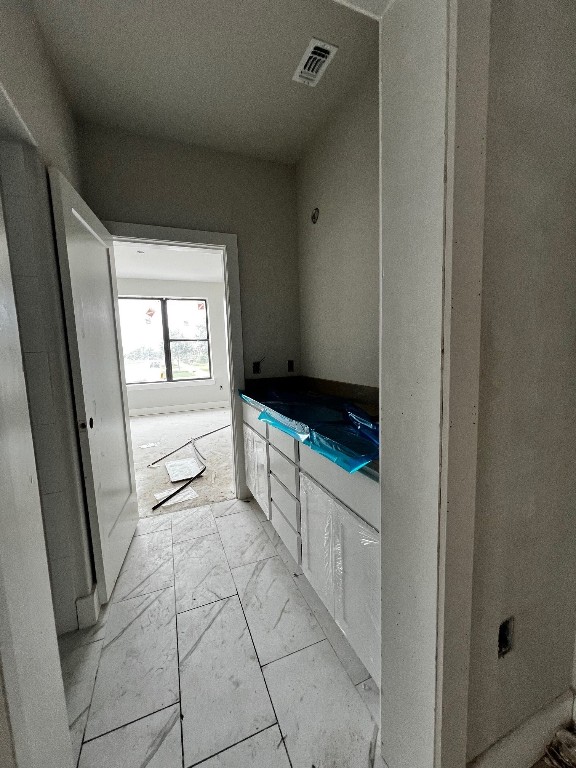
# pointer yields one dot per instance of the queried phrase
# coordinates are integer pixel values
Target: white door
(91, 309)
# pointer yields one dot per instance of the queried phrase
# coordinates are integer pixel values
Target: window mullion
(166, 333)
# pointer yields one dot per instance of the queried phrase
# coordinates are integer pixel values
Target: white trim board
(159, 409)
(227, 244)
(525, 745)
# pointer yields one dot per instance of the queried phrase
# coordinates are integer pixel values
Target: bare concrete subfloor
(165, 432)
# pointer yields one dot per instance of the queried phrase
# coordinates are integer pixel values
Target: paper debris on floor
(183, 469)
(187, 495)
(148, 445)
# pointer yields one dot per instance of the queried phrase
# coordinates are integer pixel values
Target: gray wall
(34, 108)
(28, 76)
(526, 492)
(31, 689)
(339, 255)
(38, 303)
(148, 181)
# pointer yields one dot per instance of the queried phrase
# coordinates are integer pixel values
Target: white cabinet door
(316, 519)
(341, 560)
(256, 460)
(357, 586)
(262, 494)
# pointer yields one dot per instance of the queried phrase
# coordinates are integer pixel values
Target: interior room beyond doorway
(174, 339)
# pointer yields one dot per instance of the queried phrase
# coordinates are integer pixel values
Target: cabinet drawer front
(250, 416)
(284, 470)
(357, 490)
(288, 535)
(285, 502)
(286, 444)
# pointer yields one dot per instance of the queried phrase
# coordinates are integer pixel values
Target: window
(165, 339)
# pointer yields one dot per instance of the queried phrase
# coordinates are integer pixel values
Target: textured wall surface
(526, 495)
(339, 255)
(28, 76)
(148, 181)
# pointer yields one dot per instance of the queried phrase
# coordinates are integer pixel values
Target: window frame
(167, 340)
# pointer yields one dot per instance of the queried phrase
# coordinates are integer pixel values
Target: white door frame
(226, 244)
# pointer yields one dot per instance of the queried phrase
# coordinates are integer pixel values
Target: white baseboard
(88, 609)
(178, 408)
(525, 745)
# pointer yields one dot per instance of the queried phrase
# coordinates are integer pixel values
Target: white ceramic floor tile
(72, 640)
(236, 505)
(370, 694)
(352, 664)
(79, 667)
(258, 511)
(138, 672)
(201, 573)
(244, 538)
(323, 719)
(153, 741)
(153, 524)
(222, 508)
(147, 568)
(191, 523)
(224, 698)
(265, 750)
(279, 618)
(281, 548)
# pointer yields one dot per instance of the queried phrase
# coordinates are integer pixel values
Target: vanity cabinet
(328, 520)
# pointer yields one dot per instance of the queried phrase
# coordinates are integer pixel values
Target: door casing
(226, 244)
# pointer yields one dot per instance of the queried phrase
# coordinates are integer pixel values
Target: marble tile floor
(214, 651)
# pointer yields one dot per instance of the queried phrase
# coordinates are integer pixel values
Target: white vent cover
(314, 62)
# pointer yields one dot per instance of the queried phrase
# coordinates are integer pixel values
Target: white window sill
(151, 385)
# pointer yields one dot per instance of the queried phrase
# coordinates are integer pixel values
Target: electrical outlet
(290, 366)
(256, 366)
(505, 637)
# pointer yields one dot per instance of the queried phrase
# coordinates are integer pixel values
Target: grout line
(131, 722)
(311, 645)
(177, 647)
(82, 742)
(144, 594)
(149, 533)
(257, 656)
(205, 759)
(252, 562)
(226, 597)
(325, 633)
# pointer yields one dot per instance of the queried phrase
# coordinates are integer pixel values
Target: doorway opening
(172, 311)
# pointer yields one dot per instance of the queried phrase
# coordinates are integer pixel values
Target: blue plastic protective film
(296, 429)
(341, 432)
(345, 451)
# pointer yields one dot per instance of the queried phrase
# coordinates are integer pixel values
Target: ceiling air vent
(314, 62)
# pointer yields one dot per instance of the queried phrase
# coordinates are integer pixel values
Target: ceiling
(149, 261)
(211, 72)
